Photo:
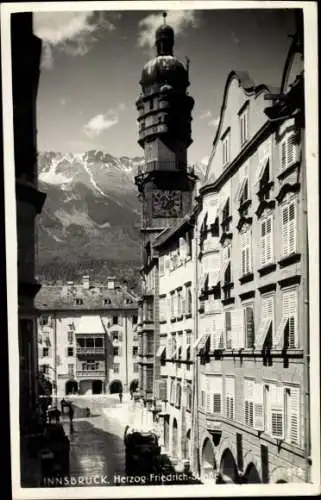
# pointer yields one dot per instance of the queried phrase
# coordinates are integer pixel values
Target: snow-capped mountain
(91, 209)
(91, 212)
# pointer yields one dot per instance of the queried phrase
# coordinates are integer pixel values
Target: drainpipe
(306, 375)
(105, 355)
(196, 455)
(55, 356)
(126, 354)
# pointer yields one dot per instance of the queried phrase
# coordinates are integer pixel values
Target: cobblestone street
(97, 453)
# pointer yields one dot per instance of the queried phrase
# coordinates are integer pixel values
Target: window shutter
(249, 402)
(120, 336)
(289, 313)
(259, 407)
(285, 230)
(269, 238)
(249, 321)
(237, 323)
(278, 341)
(294, 415)
(219, 330)
(277, 412)
(283, 154)
(292, 228)
(229, 396)
(208, 402)
(120, 320)
(263, 242)
(120, 351)
(291, 150)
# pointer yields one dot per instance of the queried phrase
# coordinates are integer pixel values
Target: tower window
(151, 104)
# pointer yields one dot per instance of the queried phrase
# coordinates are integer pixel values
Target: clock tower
(165, 183)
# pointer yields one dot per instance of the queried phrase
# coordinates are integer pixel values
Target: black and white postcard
(161, 217)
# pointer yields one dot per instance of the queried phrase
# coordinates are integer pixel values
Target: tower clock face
(166, 203)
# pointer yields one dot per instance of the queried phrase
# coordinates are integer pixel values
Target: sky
(92, 63)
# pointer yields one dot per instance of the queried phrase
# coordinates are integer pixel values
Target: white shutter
(293, 409)
(291, 150)
(292, 228)
(289, 312)
(230, 396)
(216, 387)
(263, 242)
(249, 402)
(245, 253)
(285, 230)
(278, 341)
(237, 323)
(219, 329)
(259, 407)
(283, 154)
(269, 240)
(209, 400)
(277, 411)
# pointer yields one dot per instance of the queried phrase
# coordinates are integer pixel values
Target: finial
(164, 16)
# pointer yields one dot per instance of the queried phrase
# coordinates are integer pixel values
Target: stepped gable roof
(96, 297)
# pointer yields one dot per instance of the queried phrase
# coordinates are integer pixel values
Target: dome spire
(164, 38)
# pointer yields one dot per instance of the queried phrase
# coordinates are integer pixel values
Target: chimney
(111, 282)
(85, 282)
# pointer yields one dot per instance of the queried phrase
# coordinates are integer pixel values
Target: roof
(170, 232)
(97, 297)
(90, 324)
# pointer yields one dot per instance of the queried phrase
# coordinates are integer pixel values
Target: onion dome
(164, 69)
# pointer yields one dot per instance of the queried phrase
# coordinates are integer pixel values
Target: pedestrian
(71, 412)
(120, 396)
(131, 394)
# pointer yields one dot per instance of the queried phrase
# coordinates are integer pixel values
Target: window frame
(244, 125)
(226, 149)
(289, 228)
(266, 240)
(70, 349)
(284, 145)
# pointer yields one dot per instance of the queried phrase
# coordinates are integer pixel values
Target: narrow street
(97, 452)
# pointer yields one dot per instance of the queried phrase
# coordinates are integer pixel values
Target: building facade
(226, 368)
(174, 378)
(253, 317)
(87, 343)
(165, 186)
(26, 50)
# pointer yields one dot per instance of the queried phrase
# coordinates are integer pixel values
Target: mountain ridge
(91, 213)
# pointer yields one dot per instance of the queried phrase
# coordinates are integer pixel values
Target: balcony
(90, 373)
(90, 350)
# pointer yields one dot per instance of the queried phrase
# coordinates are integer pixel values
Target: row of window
(287, 146)
(177, 256)
(178, 303)
(287, 230)
(266, 407)
(179, 396)
(45, 320)
(87, 366)
(236, 328)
